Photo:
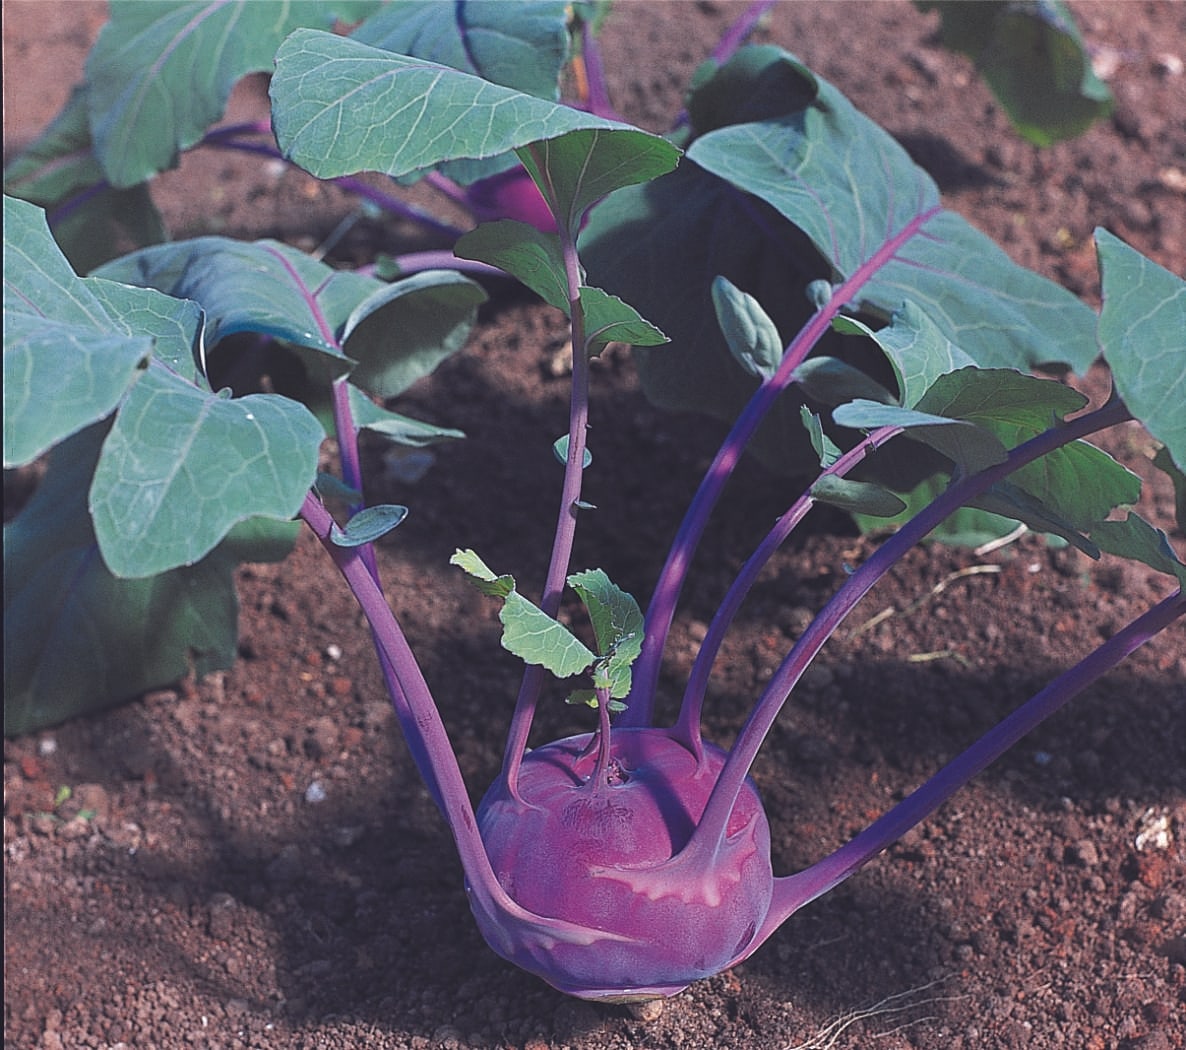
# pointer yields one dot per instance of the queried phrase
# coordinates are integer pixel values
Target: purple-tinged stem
(687, 727)
(440, 259)
(570, 495)
(792, 892)
(661, 611)
(598, 101)
(714, 820)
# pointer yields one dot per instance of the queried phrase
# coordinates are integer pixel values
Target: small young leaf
(608, 320)
(560, 451)
(537, 638)
(484, 578)
(857, 497)
(1142, 332)
(330, 486)
(368, 525)
(827, 450)
(752, 337)
(403, 430)
(617, 625)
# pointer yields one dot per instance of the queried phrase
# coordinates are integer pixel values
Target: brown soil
(210, 902)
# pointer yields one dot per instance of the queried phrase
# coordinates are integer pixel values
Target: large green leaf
(161, 73)
(869, 209)
(341, 107)
(1032, 57)
(90, 219)
(181, 466)
(1142, 332)
(261, 286)
(402, 331)
(67, 359)
(529, 254)
(522, 45)
(76, 637)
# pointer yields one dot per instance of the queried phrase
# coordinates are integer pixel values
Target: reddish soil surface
(210, 901)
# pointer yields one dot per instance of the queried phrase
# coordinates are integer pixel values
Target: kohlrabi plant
(868, 336)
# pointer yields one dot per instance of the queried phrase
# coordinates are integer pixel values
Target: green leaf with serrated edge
(560, 451)
(403, 430)
(850, 187)
(608, 320)
(368, 525)
(1142, 333)
(77, 638)
(402, 331)
(917, 350)
(537, 638)
(67, 361)
(60, 167)
(181, 466)
(972, 447)
(1133, 537)
(1164, 462)
(340, 107)
(752, 337)
(824, 446)
(857, 497)
(160, 74)
(617, 625)
(578, 168)
(521, 46)
(484, 579)
(833, 381)
(260, 286)
(524, 252)
(1032, 57)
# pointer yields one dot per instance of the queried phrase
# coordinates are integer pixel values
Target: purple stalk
(440, 259)
(578, 418)
(595, 82)
(687, 727)
(791, 892)
(711, 828)
(661, 610)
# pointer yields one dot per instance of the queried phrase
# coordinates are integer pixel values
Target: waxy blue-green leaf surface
(519, 45)
(401, 429)
(59, 172)
(608, 319)
(181, 466)
(67, 360)
(161, 73)
(259, 286)
(1142, 332)
(76, 637)
(368, 525)
(341, 107)
(526, 253)
(752, 336)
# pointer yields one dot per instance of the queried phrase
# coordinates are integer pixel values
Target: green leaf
(176, 326)
(484, 579)
(181, 466)
(368, 525)
(341, 107)
(617, 625)
(160, 74)
(857, 497)
(851, 188)
(1164, 462)
(402, 331)
(916, 347)
(967, 527)
(524, 252)
(536, 638)
(1032, 57)
(78, 638)
(403, 430)
(67, 361)
(522, 46)
(261, 286)
(752, 337)
(1142, 332)
(60, 168)
(560, 451)
(1133, 537)
(833, 381)
(608, 319)
(827, 450)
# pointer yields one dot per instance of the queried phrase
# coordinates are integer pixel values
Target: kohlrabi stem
(791, 892)
(660, 612)
(603, 740)
(570, 495)
(687, 727)
(597, 90)
(714, 820)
